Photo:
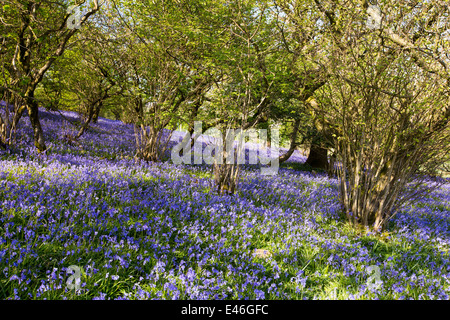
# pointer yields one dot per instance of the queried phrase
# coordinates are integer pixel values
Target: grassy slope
(142, 231)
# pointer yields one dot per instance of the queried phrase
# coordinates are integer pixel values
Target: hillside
(158, 231)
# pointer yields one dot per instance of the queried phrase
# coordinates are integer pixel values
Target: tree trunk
(97, 109)
(318, 157)
(188, 138)
(332, 172)
(90, 117)
(226, 175)
(18, 112)
(293, 144)
(2, 133)
(33, 112)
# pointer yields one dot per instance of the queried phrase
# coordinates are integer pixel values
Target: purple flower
(259, 294)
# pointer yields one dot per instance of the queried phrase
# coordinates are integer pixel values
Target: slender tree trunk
(93, 113)
(17, 115)
(2, 133)
(4, 124)
(193, 138)
(185, 141)
(87, 121)
(117, 115)
(11, 126)
(287, 155)
(33, 112)
(293, 144)
(318, 157)
(226, 175)
(96, 113)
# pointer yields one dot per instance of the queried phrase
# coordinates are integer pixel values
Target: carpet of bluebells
(142, 230)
